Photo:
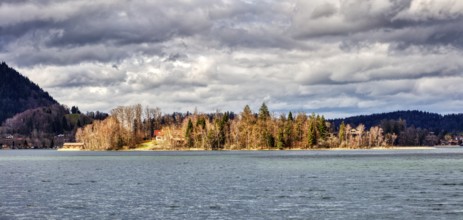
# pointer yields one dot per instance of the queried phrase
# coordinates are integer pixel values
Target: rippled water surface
(363, 184)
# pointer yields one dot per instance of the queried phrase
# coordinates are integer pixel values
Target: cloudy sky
(333, 57)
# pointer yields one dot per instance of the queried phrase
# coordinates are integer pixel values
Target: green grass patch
(146, 145)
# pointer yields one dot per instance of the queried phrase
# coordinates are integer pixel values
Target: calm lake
(355, 184)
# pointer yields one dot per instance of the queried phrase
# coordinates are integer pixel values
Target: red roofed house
(159, 135)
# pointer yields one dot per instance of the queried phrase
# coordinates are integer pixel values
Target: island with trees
(138, 127)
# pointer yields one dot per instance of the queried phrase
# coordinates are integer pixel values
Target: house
(159, 135)
(354, 132)
(9, 137)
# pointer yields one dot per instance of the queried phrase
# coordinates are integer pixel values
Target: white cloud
(337, 57)
(422, 10)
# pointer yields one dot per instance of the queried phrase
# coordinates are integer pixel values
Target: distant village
(22, 142)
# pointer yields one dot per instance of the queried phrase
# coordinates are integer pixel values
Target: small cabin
(159, 135)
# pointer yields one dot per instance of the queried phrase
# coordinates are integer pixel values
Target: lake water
(358, 184)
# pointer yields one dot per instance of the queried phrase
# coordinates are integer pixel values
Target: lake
(351, 184)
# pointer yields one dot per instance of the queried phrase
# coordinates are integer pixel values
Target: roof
(158, 133)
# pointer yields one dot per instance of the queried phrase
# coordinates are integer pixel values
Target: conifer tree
(264, 113)
(280, 139)
(189, 134)
(288, 133)
(322, 129)
(290, 116)
(312, 131)
(266, 138)
(342, 132)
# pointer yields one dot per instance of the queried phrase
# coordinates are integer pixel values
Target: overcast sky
(332, 57)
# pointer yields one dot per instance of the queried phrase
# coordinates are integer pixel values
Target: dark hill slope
(18, 93)
(419, 119)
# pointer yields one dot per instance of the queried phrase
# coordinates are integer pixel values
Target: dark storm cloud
(335, 56)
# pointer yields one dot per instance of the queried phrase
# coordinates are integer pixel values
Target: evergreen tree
(266, 139)
(270, 140)
(290, 116)
(201, 123)
(264, 113)
(312, 132)
(288, 133)
(322, 129)
(245, 127)
(189, 134)
(342, 132)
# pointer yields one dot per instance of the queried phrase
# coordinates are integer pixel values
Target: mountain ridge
(18, 93)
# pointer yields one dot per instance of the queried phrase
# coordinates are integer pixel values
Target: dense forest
(452, 123)
(18, 93)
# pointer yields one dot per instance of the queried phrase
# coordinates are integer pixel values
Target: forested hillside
(431, 121)
(18, 93)
(30, 117)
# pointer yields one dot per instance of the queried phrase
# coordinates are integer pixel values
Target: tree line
(128, 126)
(432, 122)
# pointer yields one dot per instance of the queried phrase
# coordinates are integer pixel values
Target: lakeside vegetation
(31, 118)
(131, 127)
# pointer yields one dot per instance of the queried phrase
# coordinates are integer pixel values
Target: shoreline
(293, 149)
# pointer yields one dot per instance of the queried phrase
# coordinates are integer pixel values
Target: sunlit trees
(245, 126)
(280, 141)
(217, 135)
(376, 137)
(200, 131)
(265, 136)
(128, 126)
(360, 135)
(299, 130)
(103, 135)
